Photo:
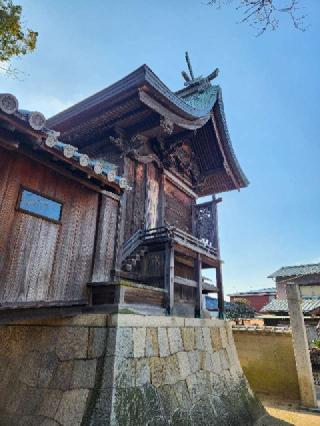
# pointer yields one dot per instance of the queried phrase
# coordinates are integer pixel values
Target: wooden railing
(191, 240)
(132, 243)
(164, 233)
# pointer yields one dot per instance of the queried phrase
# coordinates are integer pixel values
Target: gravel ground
(293, 416)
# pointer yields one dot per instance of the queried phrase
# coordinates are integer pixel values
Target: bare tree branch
(265, 14)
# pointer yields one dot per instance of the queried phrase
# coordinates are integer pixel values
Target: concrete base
(123, 370)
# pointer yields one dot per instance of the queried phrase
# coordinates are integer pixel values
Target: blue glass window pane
(42, 206)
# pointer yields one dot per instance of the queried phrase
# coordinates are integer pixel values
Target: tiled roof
(36, 121)
(190, 108)
(290, 271)
(269, 290)
(202, 100)
(281, 305)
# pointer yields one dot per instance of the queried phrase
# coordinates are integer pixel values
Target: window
(38, 205)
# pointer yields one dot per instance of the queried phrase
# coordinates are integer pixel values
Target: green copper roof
(202, 100)
(297, 270)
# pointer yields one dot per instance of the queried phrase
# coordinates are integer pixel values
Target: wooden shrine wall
(143, 203)
(106, 237)
(178, 207)
(153, 197)
(135, 199)
(42, 260)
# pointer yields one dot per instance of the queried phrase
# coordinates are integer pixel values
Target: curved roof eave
(200, 117)
(137, 79)
(242, 179)
(195, 113)
(160, 98)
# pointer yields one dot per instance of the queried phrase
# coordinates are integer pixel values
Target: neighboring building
(310, 307)
(307, 276)
(256, 298)
(58, 211)
(211, 305)
(142, 248)
(276, 314)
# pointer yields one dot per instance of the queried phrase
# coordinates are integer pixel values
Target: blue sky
(271, 88)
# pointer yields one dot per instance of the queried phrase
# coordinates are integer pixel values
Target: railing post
(169, 276)
(220, 291)
(198, 278)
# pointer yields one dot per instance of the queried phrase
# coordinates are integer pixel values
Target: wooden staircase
(133, 251)
(130, 263)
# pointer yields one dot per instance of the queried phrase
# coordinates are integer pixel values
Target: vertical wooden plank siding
(152, 197)
(139, 198)
(129, 208)
(41, 260)
(9, 189)
(178, 207)
(74, 250)
(162, 200)
(29, 262)
(106, 235)
(135, 199)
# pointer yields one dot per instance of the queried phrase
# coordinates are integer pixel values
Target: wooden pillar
(220, 291)
(300, 347)
(121, 219)
(198, 279)
(169, 276)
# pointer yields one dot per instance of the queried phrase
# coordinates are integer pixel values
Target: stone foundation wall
(267, 358)
(123, 370)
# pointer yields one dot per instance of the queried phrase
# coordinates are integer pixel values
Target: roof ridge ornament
(190, 79)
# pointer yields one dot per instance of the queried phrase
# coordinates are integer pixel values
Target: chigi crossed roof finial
(190, 79)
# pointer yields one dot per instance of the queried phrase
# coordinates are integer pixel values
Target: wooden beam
(61, 170)
(12, 312)
(185, 281)
(149, 123)
(179, 183)
(22, 126)
(169, 276)
(198, 278)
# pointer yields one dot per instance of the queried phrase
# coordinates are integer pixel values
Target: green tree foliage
(239, 310)
(15, 40)
(265, 14)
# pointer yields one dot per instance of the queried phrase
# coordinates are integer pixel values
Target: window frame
(41, 194)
